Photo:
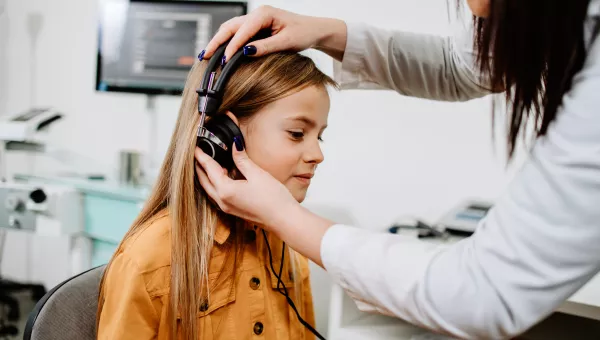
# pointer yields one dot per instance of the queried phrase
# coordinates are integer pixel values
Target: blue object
(107, 218)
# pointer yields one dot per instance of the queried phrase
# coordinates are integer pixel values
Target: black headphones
(217, 136)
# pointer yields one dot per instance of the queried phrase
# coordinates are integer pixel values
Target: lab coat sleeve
(418, 65)
(537, 246)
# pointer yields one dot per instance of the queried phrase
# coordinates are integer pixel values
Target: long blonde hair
(256, 83)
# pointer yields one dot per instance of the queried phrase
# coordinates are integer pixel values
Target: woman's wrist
(333, 37)
(302, 230)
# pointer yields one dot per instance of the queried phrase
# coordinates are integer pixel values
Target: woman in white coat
(541, 241)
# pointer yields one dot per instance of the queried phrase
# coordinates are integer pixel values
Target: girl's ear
(233, 117)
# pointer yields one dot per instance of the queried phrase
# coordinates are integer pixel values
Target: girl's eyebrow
(311, 123)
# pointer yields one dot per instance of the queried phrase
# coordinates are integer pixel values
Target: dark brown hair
(532, 49)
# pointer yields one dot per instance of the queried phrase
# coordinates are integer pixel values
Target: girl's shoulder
(150, 248)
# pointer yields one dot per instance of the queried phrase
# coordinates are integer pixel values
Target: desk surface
(105, 188)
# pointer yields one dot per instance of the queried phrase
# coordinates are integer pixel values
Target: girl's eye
(296, 134)
(320, 138)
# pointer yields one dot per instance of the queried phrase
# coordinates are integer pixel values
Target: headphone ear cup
(231, 127)
(225, 129)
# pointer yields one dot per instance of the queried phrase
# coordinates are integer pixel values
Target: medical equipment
(43, 226)
(423, 229)
(44, 209)
(28, 127)
(464, 218)
(24, 132)
(148, 46)
(216, 138)
(130, 167)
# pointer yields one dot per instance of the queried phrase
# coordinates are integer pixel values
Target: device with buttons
(23, 206)
(41, 232)
(465, 217)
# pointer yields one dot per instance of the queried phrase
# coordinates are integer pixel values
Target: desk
(348, 323)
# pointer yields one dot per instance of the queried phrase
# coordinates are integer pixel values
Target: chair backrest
(68, 311)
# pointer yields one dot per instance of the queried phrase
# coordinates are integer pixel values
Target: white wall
(386, 155)
(419, 157)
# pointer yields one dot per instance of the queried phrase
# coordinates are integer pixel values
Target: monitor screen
(149, 46)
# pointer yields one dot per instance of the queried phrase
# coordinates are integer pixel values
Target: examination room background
(387, 156)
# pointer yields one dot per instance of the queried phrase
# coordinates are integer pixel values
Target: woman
(187, 271)
(538, 245)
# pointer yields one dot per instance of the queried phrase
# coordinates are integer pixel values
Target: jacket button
(254, 283)
(204, 307)
(258, 328)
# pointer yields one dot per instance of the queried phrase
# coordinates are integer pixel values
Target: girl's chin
(298, 193)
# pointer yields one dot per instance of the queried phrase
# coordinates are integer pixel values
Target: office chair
(68, 311)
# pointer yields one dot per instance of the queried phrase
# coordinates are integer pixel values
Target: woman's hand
(260, 198)
(289, 31)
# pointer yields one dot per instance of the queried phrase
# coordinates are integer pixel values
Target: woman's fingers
(245, 165)
(225, 32)
(207, 185)
(256, 21)
(216, 174)
(272, 44)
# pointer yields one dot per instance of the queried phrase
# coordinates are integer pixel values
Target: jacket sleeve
(418, 65)
(128, 312)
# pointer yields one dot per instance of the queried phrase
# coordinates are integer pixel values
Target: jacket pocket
(221, 294)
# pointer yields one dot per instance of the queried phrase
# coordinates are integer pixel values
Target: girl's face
(284, 137)
(480, 8)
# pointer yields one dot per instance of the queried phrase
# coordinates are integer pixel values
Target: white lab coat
(537, 246)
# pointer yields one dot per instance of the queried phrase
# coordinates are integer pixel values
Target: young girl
(185, 270)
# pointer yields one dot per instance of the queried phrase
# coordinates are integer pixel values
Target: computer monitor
(149, 46)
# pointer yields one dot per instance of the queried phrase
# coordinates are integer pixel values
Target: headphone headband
(218, 135)
(210, 96)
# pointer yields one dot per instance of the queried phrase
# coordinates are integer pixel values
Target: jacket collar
(222, 233)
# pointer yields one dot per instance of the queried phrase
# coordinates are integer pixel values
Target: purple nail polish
(239, 144)
(250, 50)
(201, 55)
(223, 60)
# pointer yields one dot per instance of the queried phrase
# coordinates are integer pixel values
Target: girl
(186, 270)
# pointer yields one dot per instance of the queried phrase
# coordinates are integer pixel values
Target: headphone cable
(284, 292)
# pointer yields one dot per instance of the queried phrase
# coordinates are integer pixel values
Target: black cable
(285, 292)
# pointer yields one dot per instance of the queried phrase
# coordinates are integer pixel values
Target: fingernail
(250, 50)
(201, 55)
(223, 60)
(239, 145)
